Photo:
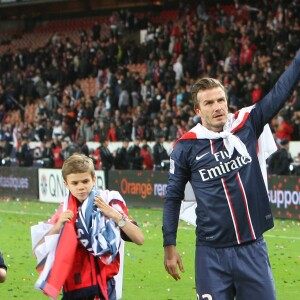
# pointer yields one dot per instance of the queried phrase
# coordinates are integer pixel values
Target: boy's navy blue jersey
(232, 200)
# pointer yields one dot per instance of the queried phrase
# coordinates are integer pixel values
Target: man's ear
(197, 111)
(65, 183)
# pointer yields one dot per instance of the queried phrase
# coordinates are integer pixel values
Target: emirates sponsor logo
(224, 167)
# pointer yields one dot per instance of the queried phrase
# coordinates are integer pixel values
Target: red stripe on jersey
(241, 124)
(187, 136)
(233, 215)
(246, 206)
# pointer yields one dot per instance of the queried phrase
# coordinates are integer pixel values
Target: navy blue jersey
(232, 200)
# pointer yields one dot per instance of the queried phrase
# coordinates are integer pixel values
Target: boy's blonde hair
(77, 163)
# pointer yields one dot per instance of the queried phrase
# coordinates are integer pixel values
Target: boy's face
(80, 185)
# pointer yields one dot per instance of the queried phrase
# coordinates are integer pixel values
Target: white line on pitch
(22, 213)
(281, 237)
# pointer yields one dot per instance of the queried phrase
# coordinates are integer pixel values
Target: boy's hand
(106, 209)
(65, 216)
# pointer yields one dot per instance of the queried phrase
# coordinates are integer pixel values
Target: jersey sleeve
(270, 105)
(179, 175)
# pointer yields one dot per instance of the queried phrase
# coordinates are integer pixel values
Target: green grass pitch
(144, 274)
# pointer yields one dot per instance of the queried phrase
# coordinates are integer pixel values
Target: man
(24, 154)
(219, 158)
(135, 156)
(160, 154)
(107, 159)
(5, 152)
(280, 161)
(121, 160)
(46, 154)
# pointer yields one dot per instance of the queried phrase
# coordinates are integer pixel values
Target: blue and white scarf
(98, 234)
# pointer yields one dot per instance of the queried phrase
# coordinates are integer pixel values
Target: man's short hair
(284, 142)
(204, 84)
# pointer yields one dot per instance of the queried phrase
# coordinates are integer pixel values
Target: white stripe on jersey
(231, 211)
(246, 205)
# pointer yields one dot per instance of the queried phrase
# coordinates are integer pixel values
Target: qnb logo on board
(52, 185)
(100, 182)
(43, 184)
(56, 186)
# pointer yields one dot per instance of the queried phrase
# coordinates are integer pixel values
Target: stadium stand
(120, 63)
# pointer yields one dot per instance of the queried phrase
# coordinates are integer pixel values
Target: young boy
(3, 269)
(78, 249)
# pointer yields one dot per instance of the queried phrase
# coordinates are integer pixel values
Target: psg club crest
(43, 184)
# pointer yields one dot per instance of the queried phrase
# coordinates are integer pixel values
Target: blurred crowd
(245, 45)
